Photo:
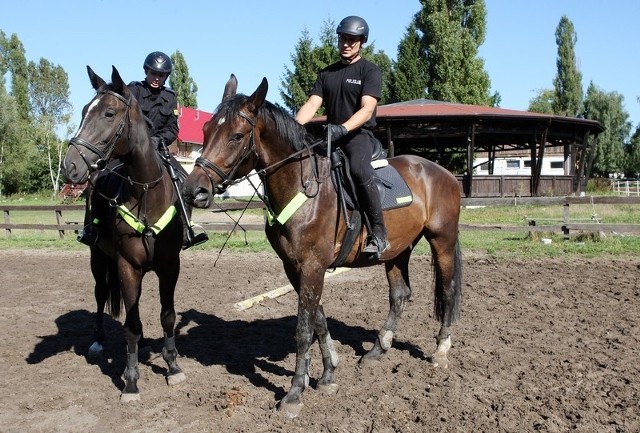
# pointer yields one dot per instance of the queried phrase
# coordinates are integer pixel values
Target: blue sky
(256, 38)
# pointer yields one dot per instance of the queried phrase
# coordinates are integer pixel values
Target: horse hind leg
(448, 297)
(105, 284)
(399, 294)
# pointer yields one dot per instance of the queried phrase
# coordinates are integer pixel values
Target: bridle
(104, 155)
(228, 177)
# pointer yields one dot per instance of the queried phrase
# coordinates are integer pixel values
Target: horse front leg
(168, 279)
(399, 295)
(330, 359)
(131, 290)
(309, 293)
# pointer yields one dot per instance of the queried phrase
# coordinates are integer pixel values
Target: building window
(527, 163)
(557, 164)
(513, 163)
(484, 166)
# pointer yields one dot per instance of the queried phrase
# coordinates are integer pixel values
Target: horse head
(101, 134)
(229, 150)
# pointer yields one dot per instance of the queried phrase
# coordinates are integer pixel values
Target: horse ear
(116, 80)
(230, 88)
(258, 97)
(96, 81)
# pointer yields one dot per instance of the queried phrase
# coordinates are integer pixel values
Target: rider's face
(156, 79)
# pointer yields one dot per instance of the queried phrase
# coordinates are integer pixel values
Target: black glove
(157, 142)
(336, 131)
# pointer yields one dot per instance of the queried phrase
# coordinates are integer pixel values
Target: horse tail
(114, 307)
(448, 298)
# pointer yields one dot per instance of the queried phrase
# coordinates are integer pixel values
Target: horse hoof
(177, 378)
(291, 410)
(328, 388)
(368, 360)
(440, 361)
(128, 397)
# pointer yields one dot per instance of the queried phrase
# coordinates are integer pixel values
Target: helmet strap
(351, 59)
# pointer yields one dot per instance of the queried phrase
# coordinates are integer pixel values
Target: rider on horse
(159, 106)
(350, 90)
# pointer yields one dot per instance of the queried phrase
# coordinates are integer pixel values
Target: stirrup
(376, 246)
(197, 239)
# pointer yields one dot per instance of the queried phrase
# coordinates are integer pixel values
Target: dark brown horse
(143, 231)
(308, 230)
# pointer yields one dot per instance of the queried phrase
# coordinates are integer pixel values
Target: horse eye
(236, 137)
(109, 113)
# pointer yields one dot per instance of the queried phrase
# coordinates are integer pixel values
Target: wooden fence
(565, 225)
(64, 225)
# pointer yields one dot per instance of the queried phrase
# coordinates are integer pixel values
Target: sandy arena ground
(542, 346)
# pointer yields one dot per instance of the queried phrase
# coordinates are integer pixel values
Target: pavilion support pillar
(390, 145)
(468, 179)
(535, 178)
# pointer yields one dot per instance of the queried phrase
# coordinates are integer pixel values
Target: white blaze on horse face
(91, 107)
(221, 121)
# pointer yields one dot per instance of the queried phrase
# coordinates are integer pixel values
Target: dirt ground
(542, 346)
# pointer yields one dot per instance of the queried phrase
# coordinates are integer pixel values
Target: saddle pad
(393, 190)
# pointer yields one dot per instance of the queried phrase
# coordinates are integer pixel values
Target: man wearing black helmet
(158, 103)
(160, 108)
(350, 90)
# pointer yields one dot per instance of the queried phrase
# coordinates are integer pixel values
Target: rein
(227, 177)
(104, 156)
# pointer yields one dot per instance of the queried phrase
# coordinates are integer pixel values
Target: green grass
(519, 242)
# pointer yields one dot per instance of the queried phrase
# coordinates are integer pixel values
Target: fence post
(60, 221)
(565, 221)
(7, 220)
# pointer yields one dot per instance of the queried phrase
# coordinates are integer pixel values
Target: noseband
(227, 178)
(104, 156)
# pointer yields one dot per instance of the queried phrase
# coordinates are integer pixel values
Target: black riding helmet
(353, 25)
(159, 62)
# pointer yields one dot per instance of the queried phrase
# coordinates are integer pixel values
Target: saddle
(393, 190)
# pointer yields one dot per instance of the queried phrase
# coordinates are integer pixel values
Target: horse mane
(289, 130)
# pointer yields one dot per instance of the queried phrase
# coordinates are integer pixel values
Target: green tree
(12, 164)
(295, 84)
(568, 80)
(633, 156)
(543, 101)
(607, 108)
(16, 142)
(17, 65)
(181, 82)
(409, 76)
(50, 109)
(452, 31)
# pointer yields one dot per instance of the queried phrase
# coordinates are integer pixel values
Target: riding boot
(369, 199)
(92, 215)
(189, 229)
(197, 239)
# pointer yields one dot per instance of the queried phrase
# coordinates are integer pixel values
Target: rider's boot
(90, 233)
(376, 243)
(193, 236)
